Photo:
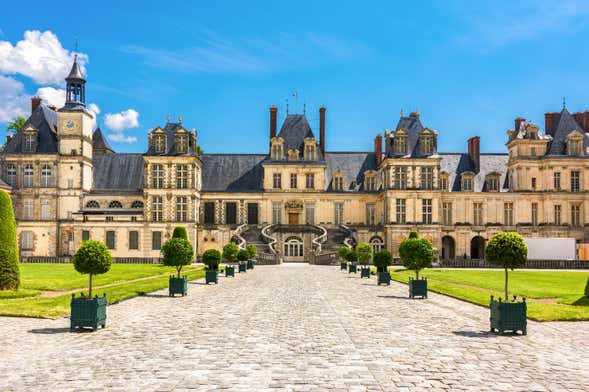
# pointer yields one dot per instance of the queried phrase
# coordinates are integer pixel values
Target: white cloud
(94, 109)
(52, 96)
(118, 122)
(39, 56)
(13, 99)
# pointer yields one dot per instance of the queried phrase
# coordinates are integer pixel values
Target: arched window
(28, 174)
(46, 176)
(377, 244)
(92, 204)
(137, 204)
(293, 247)
(11, 174)
(115, 204)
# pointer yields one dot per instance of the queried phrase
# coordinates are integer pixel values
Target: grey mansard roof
(456, 164)
(232, 172)
(170, 130)
(44, 120)
(412, 124)
(294, 130)
(118, 172)
(353, 164)
(561, 128)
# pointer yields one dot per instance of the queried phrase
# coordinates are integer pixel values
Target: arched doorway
(477, 248)
(293, 249)
(448, 248)
(377, 244)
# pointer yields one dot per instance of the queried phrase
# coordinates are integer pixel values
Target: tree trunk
(506, 281)
(179, 269)
(416, 274)
(90, 288)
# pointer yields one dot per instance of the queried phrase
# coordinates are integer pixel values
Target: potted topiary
(230, 254)
(180, 232)
(177, 253)
(416, 254)
(364, 252)
(509, 250)
(382, 260)
(352, 258)
(92, 258)
(9, 269)
(342, 253)
(211, 258)
(242, 257)
(252, 251)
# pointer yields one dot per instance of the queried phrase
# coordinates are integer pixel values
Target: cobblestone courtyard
(292, 327)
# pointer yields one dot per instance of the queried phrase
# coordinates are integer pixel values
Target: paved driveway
(292, 327)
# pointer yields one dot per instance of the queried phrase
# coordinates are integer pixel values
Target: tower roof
(560, 129)
(76, 71)
(99, 142)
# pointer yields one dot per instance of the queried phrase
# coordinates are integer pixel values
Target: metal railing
(270, 240)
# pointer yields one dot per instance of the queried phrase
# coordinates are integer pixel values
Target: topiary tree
(509, 250)
(242, 255)
(180, 232)
(9, 269)
(177, 252)
(252, 251)
(352, 256)
(211, 258)
(382, 260)
(92, 258)
(343, 251)
(416, 253)
(230, 252)
(364, 252)
(587, 289)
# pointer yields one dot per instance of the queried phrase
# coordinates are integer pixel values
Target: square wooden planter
(343, 266)
(418, 288)
(229, 271)
(242, 268)
(509, 316)
(250, 264)
(178, 286)
(352, 268)
(384, 278)
(86, 312)
(365, 272)
(212, 277)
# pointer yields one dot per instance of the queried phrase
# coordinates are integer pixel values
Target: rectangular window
(157, 208)
(508, 214)
(427, 178)
(400, 178)
(110, 239)
(30, 140)
(182, 209)
(534, 183)
(370, 183)
(493, 184)
(293, 180)
(310, 181)
(109, 219)
(310, 214)
(370, 214)
(339, 213)
(11, 175)
(277, 181)
(338, 183)
(276, 213)
(401, 211)
(28, 208)
(467, 184)
(46, 176)
(231, 213)
(26, 240)
(576, 215)
(45, 209)
(252, 213)
(157, 179)
(182, 176)
(209, 213)
(85, 235)
(156, 240)
(557, 180)
(534, 214)
(426, 211)
(443, 184)
(575, 181)
(557, 214)
(477, 211)
(447, 213)
(133, 240)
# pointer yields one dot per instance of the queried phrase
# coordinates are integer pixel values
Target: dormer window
(400, 143)
(338, 182)
(293, 154)
(159, 143)
(493, 183)
(370, 181)
(444, 182)
(310, 153)
(427, 142)
(277, 150)
(467, 182)
(182, 143)
(575, 146)
(29, 140)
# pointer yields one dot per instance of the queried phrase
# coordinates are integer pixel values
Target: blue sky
(469, 67)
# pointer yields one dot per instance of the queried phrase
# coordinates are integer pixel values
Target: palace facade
(69, 185)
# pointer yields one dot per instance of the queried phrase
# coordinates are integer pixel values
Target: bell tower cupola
(76, 87)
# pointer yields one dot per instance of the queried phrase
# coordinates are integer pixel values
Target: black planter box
(384, 278)
(365, 273)
(86, 312)
(250, 264)
(352, 268)
(178, 286)
(212, 277)
(417, 288)
(509, 316)
(242, 268)
(229, 271)
(343, 266)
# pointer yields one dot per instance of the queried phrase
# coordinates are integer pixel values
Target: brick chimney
(322, 129)
(549, 119)
(378, 149)
(35, 102)
(273, 112)
(8, 138)
(474, 152)
(582, 118)
(518, 122)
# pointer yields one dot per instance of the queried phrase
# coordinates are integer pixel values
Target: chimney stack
(273, 112)
(474, 152)
(582, 118)
(8, 138)
(518, 122)
(378, 149)
(549, 119)
(322, 129)
(35, 102)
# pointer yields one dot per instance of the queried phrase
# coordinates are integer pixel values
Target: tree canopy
(364, 251)
(9, 268)
(93, 258)
(416, 253)
(509, 250)
(180, 232)
(242, 255)
(343, 251)
(352, 256)
(211, 258)
(252, 251)
(230, 251)
(382, 259)
(177, 252)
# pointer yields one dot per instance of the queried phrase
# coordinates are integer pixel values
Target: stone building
(296, 201)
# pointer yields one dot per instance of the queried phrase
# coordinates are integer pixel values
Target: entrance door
(293, 218)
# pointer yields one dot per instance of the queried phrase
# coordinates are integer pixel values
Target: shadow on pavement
(393, 296)
(51, 331)
(476, 334)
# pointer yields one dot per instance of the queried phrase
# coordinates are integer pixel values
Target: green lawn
(565, 287)
(58, 306)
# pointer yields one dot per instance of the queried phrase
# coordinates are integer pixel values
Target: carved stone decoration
(294, 205)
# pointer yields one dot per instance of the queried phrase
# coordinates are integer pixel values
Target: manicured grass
(22, 293)
(564, 286)
(60, 305)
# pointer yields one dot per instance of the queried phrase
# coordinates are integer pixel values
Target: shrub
(382, 259)
(509, 250)
(9, 269)
(364, 252)
(352, 256)
(211, 258)
(93, 258)
(416, 253)
(177, 252)
(252, 251)
(587, 289)
(343, 251)
(180, 232)
(242, 255)
(230, 251)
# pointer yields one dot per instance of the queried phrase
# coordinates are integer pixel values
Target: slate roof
(99, 142)
(412, 124)
(294, 130)
(121, 172)
(456, 164)
(4, 185)
(232, 172)
(353, 164)
(564, 124)
(76, 71)
(45, 121)
(170, 130)
(523, 132)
